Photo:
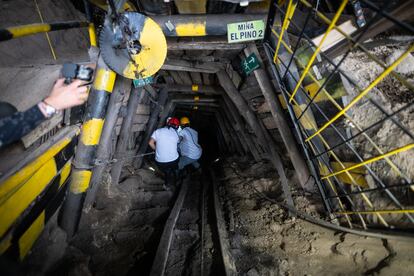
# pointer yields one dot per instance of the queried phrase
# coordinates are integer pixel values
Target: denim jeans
(184, 161)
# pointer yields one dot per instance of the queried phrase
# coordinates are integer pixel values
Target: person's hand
(64, 96)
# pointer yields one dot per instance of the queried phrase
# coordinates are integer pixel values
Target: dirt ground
(265, 241)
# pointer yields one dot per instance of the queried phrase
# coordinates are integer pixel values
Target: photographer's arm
(62, 96)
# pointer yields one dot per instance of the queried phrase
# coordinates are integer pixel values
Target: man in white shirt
(165, 142)
(190, 150)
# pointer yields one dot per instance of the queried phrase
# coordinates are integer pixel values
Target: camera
(71, 71)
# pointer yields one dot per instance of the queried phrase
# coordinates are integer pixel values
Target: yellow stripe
(194, 87)
(91, 132)
(5, 243)
(152, 55)
(365, 91)
(196, 98)
(28, 29)
(104, 80)
(10, 184)
(92, 34)
(306, 120)
(308, 66)
(12, 208)
(64, 173)
(191, 29)
(29, 237)
(80, 181)
(372, 160)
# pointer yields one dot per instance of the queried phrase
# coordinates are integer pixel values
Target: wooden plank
(161, 256)
(228, 260)
(269, 122)
(134, 128)
(206, 79)
(202, 43)
(176, 77)
(196, 78)
(185, 76)
(143, 109)
(183, 65)
(42, 129)
(334, 37)
(137, 119)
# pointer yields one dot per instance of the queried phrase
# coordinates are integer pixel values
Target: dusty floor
(266, 242)
(117, 237)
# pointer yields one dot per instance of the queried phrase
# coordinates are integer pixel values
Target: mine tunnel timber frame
(104, 105)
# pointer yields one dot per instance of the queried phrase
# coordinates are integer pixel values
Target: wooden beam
(204, 43)
(137, 95)
(201, 67)
(280, 121)
(257, 128)
(192, 89)
(151, 125)
(122, 85)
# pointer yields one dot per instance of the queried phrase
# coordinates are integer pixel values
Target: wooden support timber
(151, 125)
(276, 109)
(137, 95)
(103, 155)
(256, 126)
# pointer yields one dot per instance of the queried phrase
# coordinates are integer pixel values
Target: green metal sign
(143, 82)
(245, 31)
(250, 64)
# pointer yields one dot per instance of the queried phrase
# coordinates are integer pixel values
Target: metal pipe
(201, 24)
(86, 149)
(25, 30)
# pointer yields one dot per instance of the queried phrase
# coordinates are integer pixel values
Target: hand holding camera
(69, 91)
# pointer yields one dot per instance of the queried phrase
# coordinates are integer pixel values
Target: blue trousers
(184, 161)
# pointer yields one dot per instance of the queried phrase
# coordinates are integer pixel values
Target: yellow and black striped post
(86, 149)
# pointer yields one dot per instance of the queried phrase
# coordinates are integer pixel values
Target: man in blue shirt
(190, 150)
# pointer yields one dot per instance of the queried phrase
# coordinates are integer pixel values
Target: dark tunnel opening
(209, 134)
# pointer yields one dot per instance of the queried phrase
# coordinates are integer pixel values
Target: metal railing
(347, 125)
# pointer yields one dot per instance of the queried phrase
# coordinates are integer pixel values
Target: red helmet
(173, 122)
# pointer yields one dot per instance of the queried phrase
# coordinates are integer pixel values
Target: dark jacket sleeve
(14, 127)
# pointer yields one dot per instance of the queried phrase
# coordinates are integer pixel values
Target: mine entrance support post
(88, 141)
(255, 125)
(136, 96)
(104, 151)
(277, 111)
(151, 125)
(245, 138)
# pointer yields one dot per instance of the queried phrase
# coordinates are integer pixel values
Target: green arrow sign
(245, 31)
(250, 64)
(143, 82)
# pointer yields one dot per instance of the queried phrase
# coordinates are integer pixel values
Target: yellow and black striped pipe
(31, 195)
(201, 25)
(24, 30)
(86, 150)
